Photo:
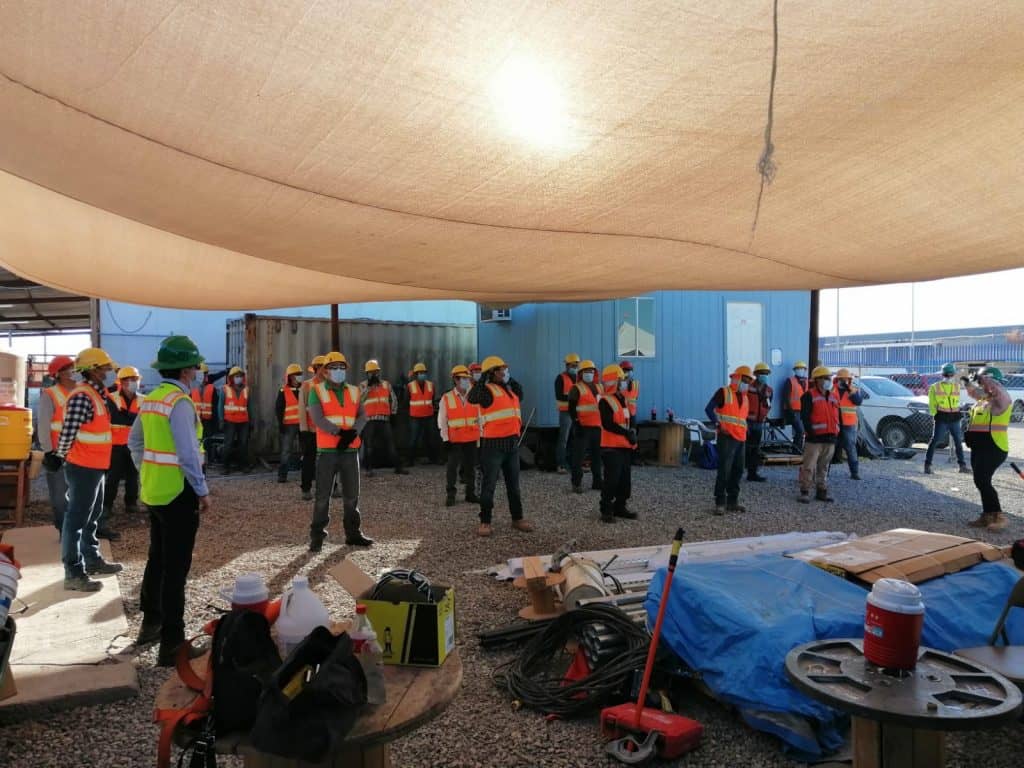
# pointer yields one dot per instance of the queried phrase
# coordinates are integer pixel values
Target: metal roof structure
(27, 308)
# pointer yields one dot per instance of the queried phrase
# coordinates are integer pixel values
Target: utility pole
(812, 337)
(335, 330)
(912, 347)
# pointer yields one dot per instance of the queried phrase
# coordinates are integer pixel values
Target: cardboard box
(410, 632)
(902, 553)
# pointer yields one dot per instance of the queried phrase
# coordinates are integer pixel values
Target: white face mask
(588, 377)
(337, 375)
(110, 378)
(130, 387)
(572, 370)
(476, 375)
(238, 380)
(801, 373)
(826, 385)
(462, 384)
(623, 383)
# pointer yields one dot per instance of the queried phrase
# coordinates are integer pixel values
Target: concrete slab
(65, 651)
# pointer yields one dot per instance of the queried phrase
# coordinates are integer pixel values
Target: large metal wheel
(895, 433)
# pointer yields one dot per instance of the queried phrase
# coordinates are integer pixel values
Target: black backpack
(244, 657)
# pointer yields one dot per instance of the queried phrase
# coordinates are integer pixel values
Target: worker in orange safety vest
(819, 411)
(586, 421)
(727, 408)
(792, 392)
(564, 382)
(124, 409)
(850, 398)
(422, 427)
(286, 408)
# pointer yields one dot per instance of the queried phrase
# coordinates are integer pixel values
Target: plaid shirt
(77, 412)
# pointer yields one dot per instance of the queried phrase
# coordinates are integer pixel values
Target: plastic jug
(892, 624)
(250, 593)
(301, 613)
(9, 575)
(368, 651)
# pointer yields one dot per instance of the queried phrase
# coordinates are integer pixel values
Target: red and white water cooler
(892, 624)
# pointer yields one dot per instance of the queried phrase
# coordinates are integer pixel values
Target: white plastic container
(249, 593)
(367, 649)
(9, 576)
(301, 613)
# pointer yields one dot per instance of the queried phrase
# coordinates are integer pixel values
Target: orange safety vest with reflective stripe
(796, 392)
(824, 413)
(377, 400)
(757, 404)
(291, 407)
(236, 405)
(732, 415)
(463, 419)
(421, 400)
(586, 406)
(620, 414)
(342, 415)
(59, 396)
(567, 384)
(632, 394)
(95, 441)
(203, 400)
(502, 417)
(847, 409)
(120, 431)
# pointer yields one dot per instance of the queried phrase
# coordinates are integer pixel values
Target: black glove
(631, 436)
(52, 461)
(346, 438)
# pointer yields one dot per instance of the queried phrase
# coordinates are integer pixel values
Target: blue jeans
(954, 430)
(78, 543)
(289, 433)
(564, 429)
(793, 418)
(423, 428)
(57, 488)
(848, 442)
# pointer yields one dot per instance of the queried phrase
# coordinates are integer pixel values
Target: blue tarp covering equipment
(735, 621)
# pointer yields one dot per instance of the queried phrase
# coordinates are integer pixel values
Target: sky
(995, 298)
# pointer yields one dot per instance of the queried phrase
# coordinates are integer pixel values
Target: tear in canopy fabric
(248, 154)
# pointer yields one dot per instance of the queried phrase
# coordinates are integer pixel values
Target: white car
(1015, 386)
(898, 416)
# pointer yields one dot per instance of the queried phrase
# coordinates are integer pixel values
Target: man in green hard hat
(944, 406)
(165, 446)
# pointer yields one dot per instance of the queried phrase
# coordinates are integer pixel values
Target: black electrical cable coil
(535, 680)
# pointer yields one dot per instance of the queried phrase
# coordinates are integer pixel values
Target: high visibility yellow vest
(982, 421)
(161, 477)
(943, 397)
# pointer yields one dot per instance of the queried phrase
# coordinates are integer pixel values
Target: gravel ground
(259, 525)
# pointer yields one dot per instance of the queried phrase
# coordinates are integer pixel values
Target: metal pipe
(812, 336)
(335, 329)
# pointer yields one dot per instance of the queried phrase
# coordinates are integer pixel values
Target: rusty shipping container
(265, 346)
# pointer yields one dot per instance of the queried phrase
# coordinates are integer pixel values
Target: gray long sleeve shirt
(186, 444)
(44, 416)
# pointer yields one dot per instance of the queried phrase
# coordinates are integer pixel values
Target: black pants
(752, 451)
(730, 469)
(307, 442)
(377, 436)
(586, 440)
(618, 480)
(501, 456)
(236, 445)
(121, 468)
(425, 428)
(209, 427)
(463, 454)
(986, 457)
(172, 534)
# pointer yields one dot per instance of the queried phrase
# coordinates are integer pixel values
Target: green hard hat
(949, 369)
(175, 353)
(991, 370)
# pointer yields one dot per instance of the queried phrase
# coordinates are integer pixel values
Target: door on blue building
(744, 337)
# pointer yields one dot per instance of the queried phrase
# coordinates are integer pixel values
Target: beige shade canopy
(243, 154)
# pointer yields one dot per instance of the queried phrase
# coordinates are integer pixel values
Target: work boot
(607, 518)
(358, 540)
(999, 522)
(855, 476)
(307, 495)
(577, 489)
(522, 525)
(449, 500)
(472, 499)
(928, 469)
(149, 633)
(719, 509)
(983, 521)
(756, 478)
(562, 471)
(736, 508)
(401, 471)
(484, 530)
(804, 497)
(82, 584)
(315, 545)
(822, 495)
(595, 486)
(109, 534)
(965, 470)
(168, 653)
(626, 514)
(282, 478)
(102, 567)
(132, 509)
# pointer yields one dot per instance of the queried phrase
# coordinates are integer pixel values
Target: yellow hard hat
(335, 357)
(799, 364)
(491, 362)
(844, 373)
(821, 372)
(315, 363)
(612, 372)
(460, 370)
(204, 368)
(587, 364)
(93, 357)
(293, 368)
(235, 370)
(372, 366)
(572, 357)
(762, 368)
(419, 368)
(743, 371)
(129, 372)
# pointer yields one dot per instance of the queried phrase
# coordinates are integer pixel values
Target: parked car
(1015, 386)
(898, 416)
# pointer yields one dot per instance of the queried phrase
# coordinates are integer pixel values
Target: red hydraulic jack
(640, 732)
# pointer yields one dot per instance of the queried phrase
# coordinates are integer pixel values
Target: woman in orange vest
(458, 421)
(849, 398)
(586, 422)
(421, 414)
(792, 391)
(728, 410)
(124, 409)
(819, 411)
(286, 407)
(236, 415)
(85, 445)
(617, 442)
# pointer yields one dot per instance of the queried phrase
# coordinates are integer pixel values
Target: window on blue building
(634, 324)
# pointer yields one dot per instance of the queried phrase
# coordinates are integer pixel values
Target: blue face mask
(421, 376)
(762, 378)
(110, 378)
(588, 377)
(826, 385)
(742, 386)
(572, 370)
(337, 375)
(623, 383)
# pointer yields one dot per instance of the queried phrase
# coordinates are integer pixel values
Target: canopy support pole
(335, 330)
(812, 336)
